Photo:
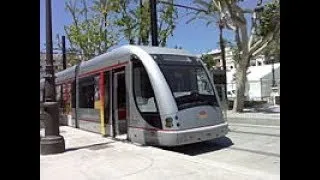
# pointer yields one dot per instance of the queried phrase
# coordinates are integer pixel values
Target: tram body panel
(199, 117)
(158, 82)
(171, 124)
(138, 128)
(66, 75)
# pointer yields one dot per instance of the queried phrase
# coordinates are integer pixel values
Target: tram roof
(119, 53)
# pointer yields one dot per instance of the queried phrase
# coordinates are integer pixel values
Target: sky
(196, 37)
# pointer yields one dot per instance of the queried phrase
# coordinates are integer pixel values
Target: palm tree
(265, 29)
(211, 15)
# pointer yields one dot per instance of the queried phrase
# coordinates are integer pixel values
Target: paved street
(254, 147)
(254, 118)
(131, 71)
(242, 155)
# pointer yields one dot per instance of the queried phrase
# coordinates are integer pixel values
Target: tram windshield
(185, 80)
(188, 80)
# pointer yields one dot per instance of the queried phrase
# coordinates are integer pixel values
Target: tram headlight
(169, 122)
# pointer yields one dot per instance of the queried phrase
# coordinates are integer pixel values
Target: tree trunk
(223, 58)
(241, 75)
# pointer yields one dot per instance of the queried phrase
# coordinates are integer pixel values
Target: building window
(218, 62)
(253, 63)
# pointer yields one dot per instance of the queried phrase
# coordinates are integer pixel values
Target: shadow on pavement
(97, 146)
(202, 147)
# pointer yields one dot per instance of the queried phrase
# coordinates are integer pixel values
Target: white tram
(149, 95)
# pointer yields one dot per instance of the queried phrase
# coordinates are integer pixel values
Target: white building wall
(254, 90)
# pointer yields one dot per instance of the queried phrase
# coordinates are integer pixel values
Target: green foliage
(168, 15)
(265, 32)
(269, 18)
(273, 49)
(91, 30)
(98, 24)
(208, 59)
(236, 56)
(208, 14)
(134, 22)
(127, 20)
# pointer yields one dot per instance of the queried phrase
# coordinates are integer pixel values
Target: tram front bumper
(189, 136)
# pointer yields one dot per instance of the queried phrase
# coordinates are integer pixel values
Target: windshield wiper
(195, 99)
(194, 94)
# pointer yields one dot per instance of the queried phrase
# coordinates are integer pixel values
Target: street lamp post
(52, 143)
(154, 23)
(273, 78)
(274, 88)
(64, 58)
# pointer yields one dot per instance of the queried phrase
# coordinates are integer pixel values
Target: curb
(255, 121)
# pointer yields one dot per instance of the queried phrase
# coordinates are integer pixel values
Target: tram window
(204, 86)
(58, 93)
(106, 97)
(41, 95)
(86, 93)
(185, 79)
(144, 95)
(73, 94)
(96, 89)
(170, 57)
(143, 91)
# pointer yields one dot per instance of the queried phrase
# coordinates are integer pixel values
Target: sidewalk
(90, 156)
(254, 118)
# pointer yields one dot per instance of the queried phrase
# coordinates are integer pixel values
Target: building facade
(216, 55)
(260, 76)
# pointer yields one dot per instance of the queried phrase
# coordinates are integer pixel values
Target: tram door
(119, 105)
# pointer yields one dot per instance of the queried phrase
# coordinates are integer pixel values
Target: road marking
(255, 133)
(255, 151)
(253, 125)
